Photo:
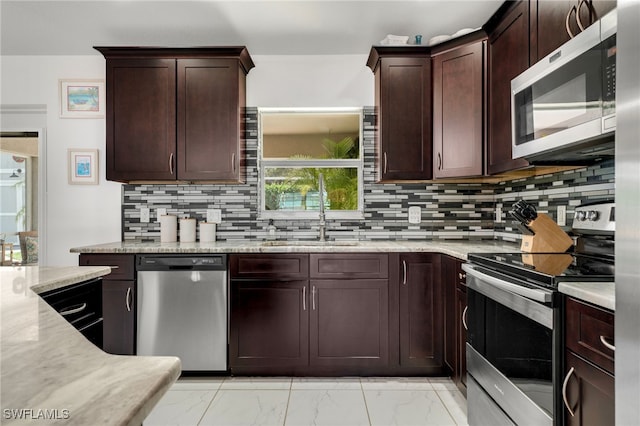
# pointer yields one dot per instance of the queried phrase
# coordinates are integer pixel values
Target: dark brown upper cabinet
(508, 56)
(458, 111)
(551, 22)
(403, 102)
(175, 113)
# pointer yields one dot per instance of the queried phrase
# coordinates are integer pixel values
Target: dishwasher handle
(214, 262)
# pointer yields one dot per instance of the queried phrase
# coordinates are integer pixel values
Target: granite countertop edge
(81, 382)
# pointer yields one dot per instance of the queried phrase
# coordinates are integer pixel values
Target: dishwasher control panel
(170, 262)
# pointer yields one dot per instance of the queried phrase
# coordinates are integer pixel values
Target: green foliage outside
(341, 184)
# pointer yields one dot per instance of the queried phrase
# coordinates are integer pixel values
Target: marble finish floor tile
(327, 407)
(302, 401)
(257, 383)
(396, 383)
(180, 407)
(316, 383)
(247, 407)
(406, 407)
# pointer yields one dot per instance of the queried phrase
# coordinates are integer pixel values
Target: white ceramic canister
(168, 229)
(187, 230)
(207, 232)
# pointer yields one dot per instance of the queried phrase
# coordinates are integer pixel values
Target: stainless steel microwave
(563, 107)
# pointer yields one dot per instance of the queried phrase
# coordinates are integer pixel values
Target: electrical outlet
(144, 215)
(160, 212)
(498, 218)
(214, 215)
(415, 214)
(562, 216)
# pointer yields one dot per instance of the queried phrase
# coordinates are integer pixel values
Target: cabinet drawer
(276, 266)
(360, 265)
(588, 328)
(123, 265)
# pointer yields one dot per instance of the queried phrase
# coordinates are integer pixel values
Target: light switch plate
(562, 216)
(160, 212)
(214, 215)
(415, 214)
(144, 215)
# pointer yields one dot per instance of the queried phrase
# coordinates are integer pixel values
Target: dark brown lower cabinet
(460, 377)
(421, 313)
(589, 393)
(269, 324)
(455, 330)
(349, 323)
(118, 312)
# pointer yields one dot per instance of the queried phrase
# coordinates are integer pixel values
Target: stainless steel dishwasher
(183, 309)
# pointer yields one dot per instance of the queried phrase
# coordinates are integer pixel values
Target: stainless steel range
(514, 318)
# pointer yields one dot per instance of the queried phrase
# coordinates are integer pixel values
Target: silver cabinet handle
(386, 164)
(607, 344)
(462, 276)
(128, 299)
(404, 272)
(564, 391)
(304, 298)
(464, 318)
(439, 161)
(73, 309)
(233, 162)
(313, 297)
(171, 163)
(566, 22)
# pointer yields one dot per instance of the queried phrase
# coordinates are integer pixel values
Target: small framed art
(83, 166)
(82, 98)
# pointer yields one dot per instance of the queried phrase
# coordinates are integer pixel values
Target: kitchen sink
(310, 243)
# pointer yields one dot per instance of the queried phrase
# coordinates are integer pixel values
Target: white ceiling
(266, 27)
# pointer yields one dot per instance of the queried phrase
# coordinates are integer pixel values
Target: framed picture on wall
(83, 166)
(82, 98)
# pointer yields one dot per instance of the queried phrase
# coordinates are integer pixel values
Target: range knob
(581, 215)
(593, 215)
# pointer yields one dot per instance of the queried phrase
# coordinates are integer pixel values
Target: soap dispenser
(271, 230)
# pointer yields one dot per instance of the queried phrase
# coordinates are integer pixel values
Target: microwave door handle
(566, 22)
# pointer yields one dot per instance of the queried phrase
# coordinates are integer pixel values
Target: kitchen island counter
(51, 374)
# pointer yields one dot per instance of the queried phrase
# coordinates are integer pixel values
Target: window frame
(263, 164)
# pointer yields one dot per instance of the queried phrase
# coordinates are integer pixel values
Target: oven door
(512, 347)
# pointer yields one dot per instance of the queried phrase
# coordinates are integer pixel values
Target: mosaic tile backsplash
(449, 211)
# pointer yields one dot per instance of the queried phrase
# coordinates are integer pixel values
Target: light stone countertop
(51, 374)
(601, 294)
(459, 249)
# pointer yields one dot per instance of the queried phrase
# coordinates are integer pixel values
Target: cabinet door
(118, 312)
(458, 111)
(449, 280)
(549, 21)
(349, 323)
(405, 118)
(421, 311)
(269, 324)
(209, 119)
(141, 119)
(590, 393)
(461, 322)
(508, 56)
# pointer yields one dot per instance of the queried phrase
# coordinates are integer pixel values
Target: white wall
(79, 215)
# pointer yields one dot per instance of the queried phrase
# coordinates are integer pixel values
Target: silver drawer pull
(73, 309)
(404, 272)
(313, 297)
(564, 391)
(607, 344)
(464, 318)
(304, 298)
(128, 299)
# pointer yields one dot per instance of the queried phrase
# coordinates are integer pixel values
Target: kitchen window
(296, 146)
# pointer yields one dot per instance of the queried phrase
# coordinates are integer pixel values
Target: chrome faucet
(322, 222)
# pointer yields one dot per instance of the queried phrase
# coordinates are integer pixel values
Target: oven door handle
(530, 293)
(520, 299)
